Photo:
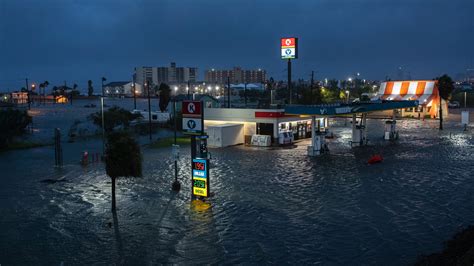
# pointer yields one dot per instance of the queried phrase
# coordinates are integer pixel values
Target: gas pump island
(193, 124)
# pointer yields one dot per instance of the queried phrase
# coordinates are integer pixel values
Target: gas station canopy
(346, 109)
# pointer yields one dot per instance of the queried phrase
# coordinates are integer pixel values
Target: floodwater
(270, 205)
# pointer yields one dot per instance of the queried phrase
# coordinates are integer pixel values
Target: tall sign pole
(289, 81)
(289, 50)
(193, 124)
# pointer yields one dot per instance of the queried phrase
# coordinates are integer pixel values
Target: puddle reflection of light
(458, 140)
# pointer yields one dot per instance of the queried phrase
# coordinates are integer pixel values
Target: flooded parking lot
(273, 205)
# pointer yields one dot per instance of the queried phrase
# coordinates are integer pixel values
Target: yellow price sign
(199, 186)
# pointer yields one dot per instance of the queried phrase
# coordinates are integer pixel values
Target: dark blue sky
(58, 40)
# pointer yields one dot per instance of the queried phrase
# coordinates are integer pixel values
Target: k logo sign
(289, 48)
(191, 108)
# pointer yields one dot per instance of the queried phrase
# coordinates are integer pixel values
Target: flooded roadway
(270, 205)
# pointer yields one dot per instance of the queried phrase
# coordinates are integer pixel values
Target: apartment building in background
(169, 75)
(236, 75)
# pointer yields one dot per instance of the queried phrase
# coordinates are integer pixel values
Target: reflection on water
(270, 205)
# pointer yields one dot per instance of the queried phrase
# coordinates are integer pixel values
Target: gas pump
(200, 167)
(199, 147)
(390, 132)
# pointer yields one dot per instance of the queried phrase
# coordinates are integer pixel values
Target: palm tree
(45, 85)
(41, 88)
(103, 80)
(122, 158)
(445, 87)
(165, 95)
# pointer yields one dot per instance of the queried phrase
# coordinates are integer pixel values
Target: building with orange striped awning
(424, 91)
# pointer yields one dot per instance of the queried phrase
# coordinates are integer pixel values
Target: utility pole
(134, 94)
(103, 118)
(149, 108)
(228, 92)
(245, 94)
(188, 89)
(28, 94)
(312, 82)
(440, 113)
(289, 81)
(176, 185)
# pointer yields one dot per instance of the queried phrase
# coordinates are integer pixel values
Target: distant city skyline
(80, 40)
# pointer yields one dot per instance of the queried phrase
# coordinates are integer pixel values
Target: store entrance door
(265, 129)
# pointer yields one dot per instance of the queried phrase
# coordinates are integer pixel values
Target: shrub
(13, 122)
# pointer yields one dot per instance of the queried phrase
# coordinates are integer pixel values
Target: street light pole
(188, 88)
(28, 94)
(245, 94)
(176, 185)
(103, 117)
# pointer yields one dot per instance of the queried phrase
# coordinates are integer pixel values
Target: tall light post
(33, 88)
(176, 186)
(103, 116)
(217, 90)
(188, 88)
(347, 99)
(28, 93)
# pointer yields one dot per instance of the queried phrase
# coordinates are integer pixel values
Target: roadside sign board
(192, 109)
(200, 171)
(192, 126)
(289, 48)
(175, 152)
(465, 117)
(193, 123)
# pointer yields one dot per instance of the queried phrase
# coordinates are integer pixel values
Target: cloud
(79, 40)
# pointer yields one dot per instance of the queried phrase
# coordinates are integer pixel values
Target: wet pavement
(271, 205)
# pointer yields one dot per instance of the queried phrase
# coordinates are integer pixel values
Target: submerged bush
(13, 122)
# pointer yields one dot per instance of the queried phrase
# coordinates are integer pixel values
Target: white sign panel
(288, 53)
(192, 125)
(465, 117)
(175, 152)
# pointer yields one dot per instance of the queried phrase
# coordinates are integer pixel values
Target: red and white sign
(289, 48)
(191, 109)
(288, 42)
(269, 114)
